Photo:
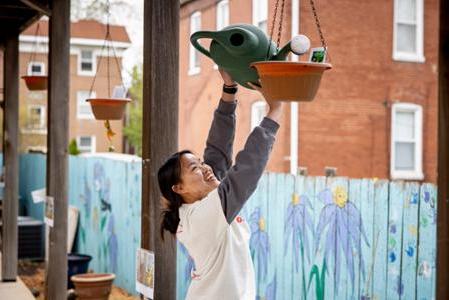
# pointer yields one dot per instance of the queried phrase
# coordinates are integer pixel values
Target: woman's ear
(177, 188)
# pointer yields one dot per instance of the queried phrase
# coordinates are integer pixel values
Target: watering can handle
(201, 35)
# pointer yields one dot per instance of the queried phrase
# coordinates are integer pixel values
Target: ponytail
(169, 174)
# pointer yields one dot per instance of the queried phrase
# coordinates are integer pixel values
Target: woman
(202, 201)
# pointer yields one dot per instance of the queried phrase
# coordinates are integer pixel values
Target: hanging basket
(108, 108)
(35, 82)
(290, 81)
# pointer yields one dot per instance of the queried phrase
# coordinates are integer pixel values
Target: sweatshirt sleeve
(241, 180)
(218, 152)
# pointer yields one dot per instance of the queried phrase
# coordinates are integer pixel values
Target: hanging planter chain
(318, 26)
(275, 15)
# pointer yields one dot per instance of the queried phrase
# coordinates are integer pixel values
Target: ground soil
(33, 275)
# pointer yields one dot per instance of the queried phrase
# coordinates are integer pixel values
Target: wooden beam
(57, 143)
(160, 131)
(11, 151)
(443, 156)
(37, 5)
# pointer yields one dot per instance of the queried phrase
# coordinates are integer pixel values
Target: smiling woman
(202, 200)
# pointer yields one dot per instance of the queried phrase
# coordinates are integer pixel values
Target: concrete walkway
(14, 290)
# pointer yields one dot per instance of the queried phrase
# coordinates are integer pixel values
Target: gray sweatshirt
(238, 181)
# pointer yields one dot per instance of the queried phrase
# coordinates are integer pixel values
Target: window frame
(30, 65)
(256, 18)
(83, 149)
(417, 173)
(80, 116)
(82, 72)
(417, 57)
(42, 115)
(220, 6)
(193, 68)
(257, 104)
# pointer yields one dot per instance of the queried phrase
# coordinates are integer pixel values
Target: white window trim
(93, 147)
(417, 174)
(43, 114)
(83, 116)
(41, 64)
(193, 70)
(254, 105)
(418, 57)
(219, 6)
(94, 62)
(256, 17)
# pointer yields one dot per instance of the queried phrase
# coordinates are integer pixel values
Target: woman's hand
(275, 107)
(227, 79)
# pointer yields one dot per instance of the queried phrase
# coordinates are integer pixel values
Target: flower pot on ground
(108, 108)
(93, 286)
(35, 82)
(77, 264)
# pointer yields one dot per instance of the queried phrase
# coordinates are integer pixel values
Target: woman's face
(197, 179)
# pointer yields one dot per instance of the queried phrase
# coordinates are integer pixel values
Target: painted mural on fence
(334, 238)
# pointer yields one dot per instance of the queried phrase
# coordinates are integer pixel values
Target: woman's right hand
(275, 107)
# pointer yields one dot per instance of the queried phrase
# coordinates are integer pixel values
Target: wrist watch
(230, 89)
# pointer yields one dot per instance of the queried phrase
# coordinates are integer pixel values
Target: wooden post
(11, 136)
(160, 131)
(443, 153)
(57, 143)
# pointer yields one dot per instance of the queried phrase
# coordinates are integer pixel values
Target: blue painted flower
(112, 244)
(190, 265)
(259, 242)
(87, 198)
(270, 292)
(298, 223)
(345, 229)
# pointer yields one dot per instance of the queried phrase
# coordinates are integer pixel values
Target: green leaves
(319, 280)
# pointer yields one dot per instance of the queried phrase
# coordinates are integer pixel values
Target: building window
(408, 33)
(83, 108)
(222, 14)
(406, 141)
(86, 62)
(86, 144)
(36, 117)
(258, 112)
(260, 14)
(36, 68)
(194, 55)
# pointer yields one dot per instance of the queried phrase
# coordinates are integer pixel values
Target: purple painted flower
(112, 244)
(345, 229)
(259, 242)
(298, 222)
(399, 286)
(270, 292)
(87, 198)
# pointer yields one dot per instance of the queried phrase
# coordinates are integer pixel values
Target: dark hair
(168, 175)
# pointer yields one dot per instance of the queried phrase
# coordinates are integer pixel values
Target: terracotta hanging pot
(93, 286)
(108, 108)
(35, 82)
(290, 81)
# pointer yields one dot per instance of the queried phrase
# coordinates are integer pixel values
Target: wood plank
(378, 271)
(410, 240)
(57, 141)
(443, 154)
(426, 275)
(11, 136)
(396, 204)
(160, 131)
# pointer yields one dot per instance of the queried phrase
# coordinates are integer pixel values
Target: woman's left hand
(226, 77)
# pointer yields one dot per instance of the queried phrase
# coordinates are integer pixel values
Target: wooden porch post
(160, 131)
(443, 153)
(57, 143)
(11, 135)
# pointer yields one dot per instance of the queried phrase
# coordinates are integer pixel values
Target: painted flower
(259, 242)
(344, 231)
(297, 223)
(270, 292)
(112, 244)
(190, 265)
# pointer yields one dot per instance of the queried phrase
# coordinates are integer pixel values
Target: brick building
(87, 40)
(375, 114)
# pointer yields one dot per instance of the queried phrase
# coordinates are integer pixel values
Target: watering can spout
(299, 45)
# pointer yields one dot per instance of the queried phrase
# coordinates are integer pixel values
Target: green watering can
(236, 47)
